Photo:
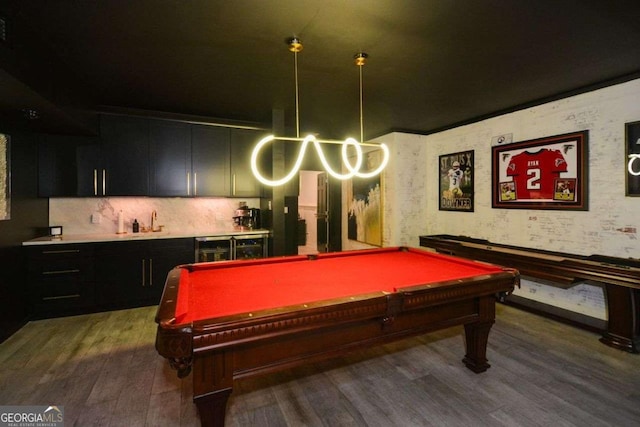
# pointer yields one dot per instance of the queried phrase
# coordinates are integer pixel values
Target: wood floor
(105, 372)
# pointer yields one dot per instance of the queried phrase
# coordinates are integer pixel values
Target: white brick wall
(411, 188)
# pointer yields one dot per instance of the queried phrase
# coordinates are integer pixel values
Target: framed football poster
(456, 182)
(632, 159)
(545, 173)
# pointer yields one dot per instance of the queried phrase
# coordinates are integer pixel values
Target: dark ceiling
(432, 63)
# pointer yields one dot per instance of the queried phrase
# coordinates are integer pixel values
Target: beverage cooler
(227, 248)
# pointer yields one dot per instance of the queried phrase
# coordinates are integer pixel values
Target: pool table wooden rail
(620, 277)
(224, 349)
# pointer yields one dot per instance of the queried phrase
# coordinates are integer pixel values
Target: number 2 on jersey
(533, 180)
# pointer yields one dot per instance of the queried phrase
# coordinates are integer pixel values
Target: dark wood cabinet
(210, 160)
(56, 166)
(130, 274)
(170, 159)
(125, 155)
(166, 254)
(68, 166)
(121, 273)
(61, 279)
(66, 279)
(137, 156)
(90, 172)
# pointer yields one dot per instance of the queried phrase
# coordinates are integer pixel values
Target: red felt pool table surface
(211, 290)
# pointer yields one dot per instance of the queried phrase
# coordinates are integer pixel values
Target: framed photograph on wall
(364, 196)
(632, 159)
(5, 177)
(544, 173)
(456, 182)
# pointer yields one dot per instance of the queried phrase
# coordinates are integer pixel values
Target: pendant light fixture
(295, 46)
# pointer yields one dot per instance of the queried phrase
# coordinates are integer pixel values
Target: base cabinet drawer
(61, 279)
(65, 279)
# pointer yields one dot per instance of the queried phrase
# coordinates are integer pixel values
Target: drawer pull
(74, 270)
(61, 297)
(144, 276)
(63, 251)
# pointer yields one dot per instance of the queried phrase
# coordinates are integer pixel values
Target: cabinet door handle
(188, 183)
(61, 297)
(143, 272)
(95, 182)
(49, 273)
(63, 251)
(233, 188)
(104, 182)
(150, 272)
(195, 183)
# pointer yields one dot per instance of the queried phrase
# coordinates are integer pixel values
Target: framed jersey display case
(544, 173)
(456, 182)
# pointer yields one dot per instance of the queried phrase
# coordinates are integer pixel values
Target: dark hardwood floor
(104, 370)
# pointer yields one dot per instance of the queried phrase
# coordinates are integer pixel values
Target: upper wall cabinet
(90, 172)
(170, 159)
(125, 155)
(56, 167)
(59, 160)
(210, 161)
(137, 156)
(117, 164)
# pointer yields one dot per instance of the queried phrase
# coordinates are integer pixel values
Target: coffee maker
(246, 218)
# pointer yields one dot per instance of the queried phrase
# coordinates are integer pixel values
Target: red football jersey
(535, 173)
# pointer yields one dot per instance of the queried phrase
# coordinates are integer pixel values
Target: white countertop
(113, 237)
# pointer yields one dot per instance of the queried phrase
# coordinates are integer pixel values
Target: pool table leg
(476, 336)
(212, 408)
(212, 386)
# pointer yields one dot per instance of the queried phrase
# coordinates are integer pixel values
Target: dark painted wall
(29, 216)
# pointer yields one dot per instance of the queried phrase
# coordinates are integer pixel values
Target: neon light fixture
(295, 46)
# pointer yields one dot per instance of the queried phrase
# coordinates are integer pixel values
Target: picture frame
(632, 159)
(543, 173)
(5, 177)
(456, 182)
(365, 203)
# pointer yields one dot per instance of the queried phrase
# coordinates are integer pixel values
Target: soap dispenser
(154, 221)
(136, 226)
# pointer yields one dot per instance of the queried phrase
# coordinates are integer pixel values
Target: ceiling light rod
(295, 46)
(360, 60)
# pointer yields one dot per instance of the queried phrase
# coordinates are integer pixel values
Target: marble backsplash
(100, 215)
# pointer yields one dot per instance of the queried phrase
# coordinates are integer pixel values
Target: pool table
(233, 319)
